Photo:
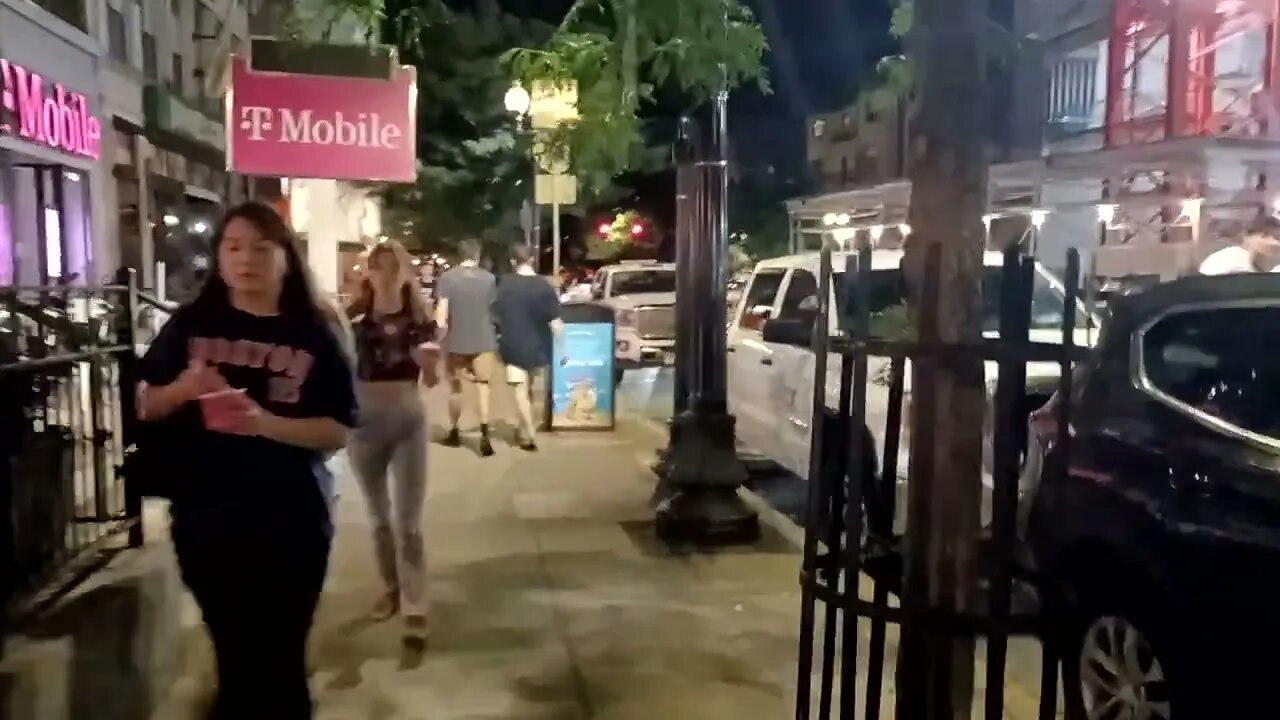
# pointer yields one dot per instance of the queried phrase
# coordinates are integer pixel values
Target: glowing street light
(517, 100)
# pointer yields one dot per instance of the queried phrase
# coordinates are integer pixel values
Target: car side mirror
(791, 331)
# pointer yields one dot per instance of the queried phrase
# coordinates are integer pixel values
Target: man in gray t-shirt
(464, 313)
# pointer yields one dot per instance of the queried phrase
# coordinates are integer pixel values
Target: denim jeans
(388, 454)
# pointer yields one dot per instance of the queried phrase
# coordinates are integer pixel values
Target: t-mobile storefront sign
(45, 112)
(313, 126)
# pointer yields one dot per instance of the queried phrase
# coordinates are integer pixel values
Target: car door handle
(766, 361)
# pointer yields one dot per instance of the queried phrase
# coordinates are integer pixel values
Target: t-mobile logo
(256, 120)
(305, 127)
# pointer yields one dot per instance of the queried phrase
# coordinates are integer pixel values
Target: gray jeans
(388, 453)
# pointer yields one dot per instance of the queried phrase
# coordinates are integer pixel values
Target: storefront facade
(188, 183)
(51, 141)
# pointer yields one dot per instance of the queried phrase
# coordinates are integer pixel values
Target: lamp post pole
(517, 102)
(702, 471)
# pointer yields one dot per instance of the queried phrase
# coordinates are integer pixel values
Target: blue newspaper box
(580, 388)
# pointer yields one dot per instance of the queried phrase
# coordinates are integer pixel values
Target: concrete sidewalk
(552, 600)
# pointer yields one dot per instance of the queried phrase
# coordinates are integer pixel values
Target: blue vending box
(580, 391)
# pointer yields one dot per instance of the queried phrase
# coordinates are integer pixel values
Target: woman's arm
(320, 433)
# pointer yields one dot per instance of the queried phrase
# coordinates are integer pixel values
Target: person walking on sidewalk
(528, 317)
(464, 313)
(254, 388)
(393, 335)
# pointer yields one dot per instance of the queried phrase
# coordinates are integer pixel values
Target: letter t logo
(256, 120)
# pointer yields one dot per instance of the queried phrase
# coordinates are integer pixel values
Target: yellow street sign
(556, 190)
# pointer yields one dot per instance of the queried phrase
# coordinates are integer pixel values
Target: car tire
(1108, 614)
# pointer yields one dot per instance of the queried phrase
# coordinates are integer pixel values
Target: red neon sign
(48, 114)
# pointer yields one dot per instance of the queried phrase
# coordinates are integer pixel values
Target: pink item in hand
(429, 362)
(222, 410)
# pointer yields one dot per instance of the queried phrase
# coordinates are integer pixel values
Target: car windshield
(887, 290)
(631, 282)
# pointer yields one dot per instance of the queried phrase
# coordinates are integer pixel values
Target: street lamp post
(702, 472)
(517, 102)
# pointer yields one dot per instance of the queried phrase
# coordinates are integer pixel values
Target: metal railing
(68, 359)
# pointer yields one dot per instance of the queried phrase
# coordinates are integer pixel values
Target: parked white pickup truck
(642, 295)
(770, 385)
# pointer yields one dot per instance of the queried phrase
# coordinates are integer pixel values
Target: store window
(7, 254)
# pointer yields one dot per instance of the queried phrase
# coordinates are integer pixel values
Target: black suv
(1157, 546)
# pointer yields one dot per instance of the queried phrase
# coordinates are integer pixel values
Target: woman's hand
(198, 379)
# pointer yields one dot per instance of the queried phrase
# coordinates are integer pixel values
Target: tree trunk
(949, 197)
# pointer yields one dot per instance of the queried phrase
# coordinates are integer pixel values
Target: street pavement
(552, 599)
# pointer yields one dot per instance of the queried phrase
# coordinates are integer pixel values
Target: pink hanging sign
(318, 126)
(46, 112)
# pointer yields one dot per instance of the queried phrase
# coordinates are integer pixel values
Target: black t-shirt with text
(290, 368)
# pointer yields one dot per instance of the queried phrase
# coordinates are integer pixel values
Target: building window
(150, 60)
(71, 11)
(117, 35)
(1072, 90)
(819, 127)
(178, 79)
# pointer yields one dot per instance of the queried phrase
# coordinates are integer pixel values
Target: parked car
(1158, 549)
(771, 375)
(642, 295)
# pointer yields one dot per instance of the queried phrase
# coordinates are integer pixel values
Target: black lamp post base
(707, 516)
(699, 500)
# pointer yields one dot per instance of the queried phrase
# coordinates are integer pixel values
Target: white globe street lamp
(516, 100)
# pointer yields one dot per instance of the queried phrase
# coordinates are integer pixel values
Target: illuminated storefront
(50, 143)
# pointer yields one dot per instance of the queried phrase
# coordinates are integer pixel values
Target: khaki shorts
(476, 368)
(518, 375)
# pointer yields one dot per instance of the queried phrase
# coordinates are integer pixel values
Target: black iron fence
(67, 368)
(855, 538)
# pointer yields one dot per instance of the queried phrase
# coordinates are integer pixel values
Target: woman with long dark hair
(389, 450)
(259, 392)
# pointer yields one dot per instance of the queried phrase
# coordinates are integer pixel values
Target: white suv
(770, 385)
(642, 296)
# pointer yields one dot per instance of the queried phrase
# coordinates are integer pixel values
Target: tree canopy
(620, 53)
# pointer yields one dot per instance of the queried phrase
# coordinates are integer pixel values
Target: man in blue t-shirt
(527, 313)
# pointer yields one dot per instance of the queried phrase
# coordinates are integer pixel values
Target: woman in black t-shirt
(251, 524)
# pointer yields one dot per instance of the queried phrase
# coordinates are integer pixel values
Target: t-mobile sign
(314, 126)
(45, 112)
